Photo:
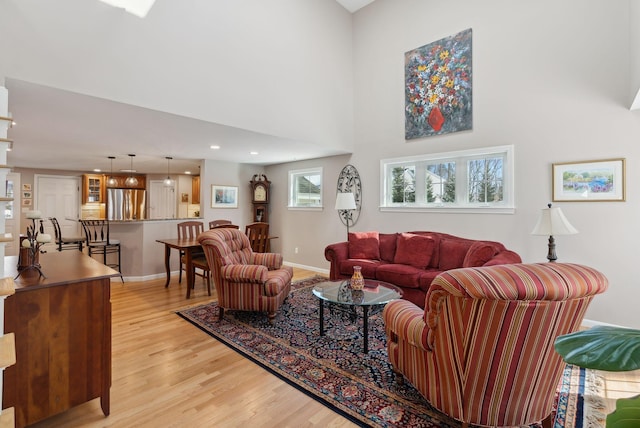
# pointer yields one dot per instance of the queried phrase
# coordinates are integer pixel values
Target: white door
(12, 213)
(162, 200)
(59, 196)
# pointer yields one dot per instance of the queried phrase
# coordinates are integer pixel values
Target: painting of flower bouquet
(438, 87)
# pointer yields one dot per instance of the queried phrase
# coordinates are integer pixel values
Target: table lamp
(345, 202)
(553, 222)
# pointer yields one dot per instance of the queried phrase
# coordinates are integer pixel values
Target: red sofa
(411, 260)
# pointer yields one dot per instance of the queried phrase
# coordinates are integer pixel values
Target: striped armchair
(482, 349)
(245, 280)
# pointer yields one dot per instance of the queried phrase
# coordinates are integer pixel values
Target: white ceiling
(353, 5)
(62, 130)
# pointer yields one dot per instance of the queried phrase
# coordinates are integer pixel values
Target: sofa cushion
(369, 267)
(479, 253)
(414, 250)
(400, 275)
(426, 277)
(364, 245)
(452, 253)
(388, 246)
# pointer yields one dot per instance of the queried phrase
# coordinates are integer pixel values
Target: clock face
(260, 193)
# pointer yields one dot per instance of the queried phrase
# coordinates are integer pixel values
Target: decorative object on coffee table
(553, 222)
(357, 281)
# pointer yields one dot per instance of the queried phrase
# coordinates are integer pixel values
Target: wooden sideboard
(62, 326)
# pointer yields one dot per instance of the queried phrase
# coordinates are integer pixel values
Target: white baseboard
(311, 268)
(143, 278)
(592, 323)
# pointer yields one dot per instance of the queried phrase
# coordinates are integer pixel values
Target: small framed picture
(27, 202)
(26, 187)
(184, 197)
(589, 181)
(224, 196)
(26, 195)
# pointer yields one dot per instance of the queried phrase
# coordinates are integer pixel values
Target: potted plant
(606, 348)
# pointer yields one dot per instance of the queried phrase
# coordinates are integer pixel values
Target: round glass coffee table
(375, 293)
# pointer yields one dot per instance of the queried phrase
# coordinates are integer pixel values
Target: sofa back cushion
(364, 245)
(388, 246)
(452, 253)
(414, 250)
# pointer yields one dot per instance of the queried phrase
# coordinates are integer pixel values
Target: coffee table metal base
(365, 324)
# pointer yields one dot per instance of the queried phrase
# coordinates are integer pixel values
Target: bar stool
(98, 241)
(65, 243)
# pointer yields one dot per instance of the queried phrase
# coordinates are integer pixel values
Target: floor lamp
(553, 222)
(345, 202)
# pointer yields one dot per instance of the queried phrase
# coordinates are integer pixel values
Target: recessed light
(253, 153)
(214, 147)
(96, 170)
(188, 172)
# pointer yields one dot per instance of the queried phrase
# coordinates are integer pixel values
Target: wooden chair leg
(272, 318)
(220, 313)
(548, 421)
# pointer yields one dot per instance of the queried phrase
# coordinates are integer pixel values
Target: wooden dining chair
(215, 223)
(258, 234)
(226, 226)
(190, 230)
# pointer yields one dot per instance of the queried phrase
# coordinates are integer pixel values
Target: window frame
(461, 159)
(292, 192)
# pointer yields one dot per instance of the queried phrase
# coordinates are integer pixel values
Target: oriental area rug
(333, 370)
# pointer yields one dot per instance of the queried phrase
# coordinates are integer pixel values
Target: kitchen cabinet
(93, 188)
(195, 189)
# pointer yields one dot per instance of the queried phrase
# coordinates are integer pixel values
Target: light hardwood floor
(167, 373)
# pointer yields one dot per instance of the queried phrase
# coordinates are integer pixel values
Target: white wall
(551, 78)
(281, 67)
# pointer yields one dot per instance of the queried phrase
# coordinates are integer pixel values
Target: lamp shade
(553, 222)
(345, 201)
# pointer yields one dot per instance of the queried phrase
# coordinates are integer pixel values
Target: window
(305, 188)
(479, 179)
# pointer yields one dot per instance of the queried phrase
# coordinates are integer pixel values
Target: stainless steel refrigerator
(126, 204)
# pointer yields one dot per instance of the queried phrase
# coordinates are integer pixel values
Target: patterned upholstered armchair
(245, 280)
(482, 349)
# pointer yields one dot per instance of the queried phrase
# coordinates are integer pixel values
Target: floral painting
(438, 87)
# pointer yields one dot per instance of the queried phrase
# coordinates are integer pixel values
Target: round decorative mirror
(349, 182)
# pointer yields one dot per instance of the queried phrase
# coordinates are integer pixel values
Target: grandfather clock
(260, 197)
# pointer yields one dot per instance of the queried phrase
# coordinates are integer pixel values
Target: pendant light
(131, 181)
(168, 182)
(112, 182)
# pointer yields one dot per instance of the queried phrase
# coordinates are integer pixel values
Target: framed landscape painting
(438, 87)
(224, 196)
(596, 180)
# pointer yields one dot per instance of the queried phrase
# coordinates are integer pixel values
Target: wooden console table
(62, 326)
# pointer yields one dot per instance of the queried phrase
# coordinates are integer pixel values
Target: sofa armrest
(245, 273)
(503, 258)
(271, 260)
(404, 322)
(335, 253)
